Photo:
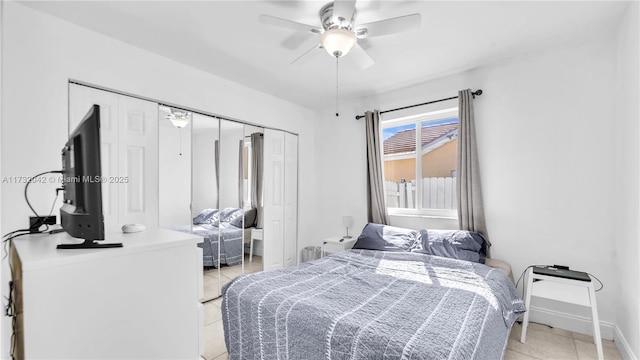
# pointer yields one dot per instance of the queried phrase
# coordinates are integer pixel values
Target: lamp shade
(338, 42)
(347, 221)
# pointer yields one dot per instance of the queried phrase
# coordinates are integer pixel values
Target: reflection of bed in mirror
(226, 225)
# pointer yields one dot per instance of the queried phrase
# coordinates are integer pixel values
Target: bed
(212, 225)
(396, 302)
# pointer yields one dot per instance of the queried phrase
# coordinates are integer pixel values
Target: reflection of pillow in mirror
(215, 219)
(232, 216)
(204, 216)
(236, 219)
(250, 217)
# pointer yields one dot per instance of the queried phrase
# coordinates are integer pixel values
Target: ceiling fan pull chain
(337, 103)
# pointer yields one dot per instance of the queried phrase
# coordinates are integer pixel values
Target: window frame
(418, 120)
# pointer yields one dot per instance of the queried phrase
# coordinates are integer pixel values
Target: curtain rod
(474, 93)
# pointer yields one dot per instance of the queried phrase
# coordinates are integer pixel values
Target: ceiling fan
(339, 33)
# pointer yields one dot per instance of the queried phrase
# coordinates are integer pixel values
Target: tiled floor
(543, 342)
(214, 347)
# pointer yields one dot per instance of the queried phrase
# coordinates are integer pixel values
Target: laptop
(560, 272)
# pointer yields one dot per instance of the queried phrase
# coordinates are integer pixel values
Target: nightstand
(256, 234)
(565, 290)
(334, 242)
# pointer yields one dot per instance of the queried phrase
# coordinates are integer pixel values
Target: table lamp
(347, 221)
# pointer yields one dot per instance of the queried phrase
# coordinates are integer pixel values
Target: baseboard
(578, 324)
(623, 346)
(582, 325)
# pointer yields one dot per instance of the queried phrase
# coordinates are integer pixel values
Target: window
(434, 191)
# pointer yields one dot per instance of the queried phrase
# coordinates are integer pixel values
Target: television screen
(81, 212)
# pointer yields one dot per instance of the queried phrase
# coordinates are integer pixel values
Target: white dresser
(141, 301)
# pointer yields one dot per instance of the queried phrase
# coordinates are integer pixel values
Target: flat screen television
(81, 212)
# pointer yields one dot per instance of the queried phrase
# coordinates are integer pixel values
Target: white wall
(41, 53)
(545, 128)
(341, 170)
(627, 174)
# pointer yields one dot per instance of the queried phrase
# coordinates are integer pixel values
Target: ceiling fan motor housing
(333, 21)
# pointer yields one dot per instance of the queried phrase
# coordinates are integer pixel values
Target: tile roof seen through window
(405, 141)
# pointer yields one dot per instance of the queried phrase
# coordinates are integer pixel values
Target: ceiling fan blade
(304, 58)
(360, 57)
(344, 9)
(297, 39)
(391, 26)
(287, 24)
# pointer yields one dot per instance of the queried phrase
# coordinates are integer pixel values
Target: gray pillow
(204, 217)
(387, 238)
(250, 217)
(232, 216)
(456, 244)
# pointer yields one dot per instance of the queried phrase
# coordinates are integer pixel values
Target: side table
(565, 290)
(338, 241)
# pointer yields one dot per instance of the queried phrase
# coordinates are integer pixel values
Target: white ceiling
(226, 39)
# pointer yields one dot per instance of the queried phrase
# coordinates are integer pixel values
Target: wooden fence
(437, 193)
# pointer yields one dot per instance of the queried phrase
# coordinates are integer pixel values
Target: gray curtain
(376, 207)
(470, 207)
(257, 146)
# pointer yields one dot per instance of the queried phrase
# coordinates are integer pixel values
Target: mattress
(500, 265)
(365, 304)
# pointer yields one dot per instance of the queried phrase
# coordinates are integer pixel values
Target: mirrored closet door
(252, 196)
(229, 157)
(233, 184)
(188, 184)
(205, 199)
(174, 169)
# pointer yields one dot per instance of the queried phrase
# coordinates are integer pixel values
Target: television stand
(88, 244)
(109, 304)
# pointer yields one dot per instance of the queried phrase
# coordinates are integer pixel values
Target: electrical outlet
(36, 221)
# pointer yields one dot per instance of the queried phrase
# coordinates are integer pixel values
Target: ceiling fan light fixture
(338, 42)
(179, 118)
(179, 122)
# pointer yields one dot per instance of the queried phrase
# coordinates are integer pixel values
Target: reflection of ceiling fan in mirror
(179, 118)
(339, 33)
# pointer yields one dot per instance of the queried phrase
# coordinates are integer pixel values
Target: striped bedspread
(363, 304)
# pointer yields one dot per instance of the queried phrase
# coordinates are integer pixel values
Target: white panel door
(290, 200)
(137, 162)
(129, 154)
(273, 199)
(81, 99)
